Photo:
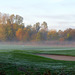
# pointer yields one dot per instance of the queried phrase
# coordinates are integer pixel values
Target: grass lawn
(15, 61)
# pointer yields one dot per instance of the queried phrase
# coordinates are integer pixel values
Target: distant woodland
(12, 28)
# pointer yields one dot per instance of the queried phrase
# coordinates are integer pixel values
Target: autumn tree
(26, 34)
(37, 26)
(12, 28)
(71, 34)
(22, 34)
(2, 33)
(18, 20)
(39, 36)
(66, 34)
(44, 26)
(12, 19)
(52, 35)
(19, 34)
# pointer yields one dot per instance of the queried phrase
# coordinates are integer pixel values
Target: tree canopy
(12, 28)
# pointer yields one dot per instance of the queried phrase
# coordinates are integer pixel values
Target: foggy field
(39, 49)
(20, 60)
(37, 37)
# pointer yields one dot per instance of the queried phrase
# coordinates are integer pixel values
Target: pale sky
(59, 14)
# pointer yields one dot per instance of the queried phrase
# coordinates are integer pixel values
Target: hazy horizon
(59, 14)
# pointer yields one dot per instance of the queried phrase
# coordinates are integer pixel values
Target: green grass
(65, 52)
(57, 52)
(14, 61)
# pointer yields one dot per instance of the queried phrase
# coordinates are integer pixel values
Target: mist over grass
(20, 58)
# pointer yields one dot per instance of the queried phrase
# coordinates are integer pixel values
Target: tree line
(12, 28)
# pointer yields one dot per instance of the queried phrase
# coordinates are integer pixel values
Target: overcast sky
(59, 14)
